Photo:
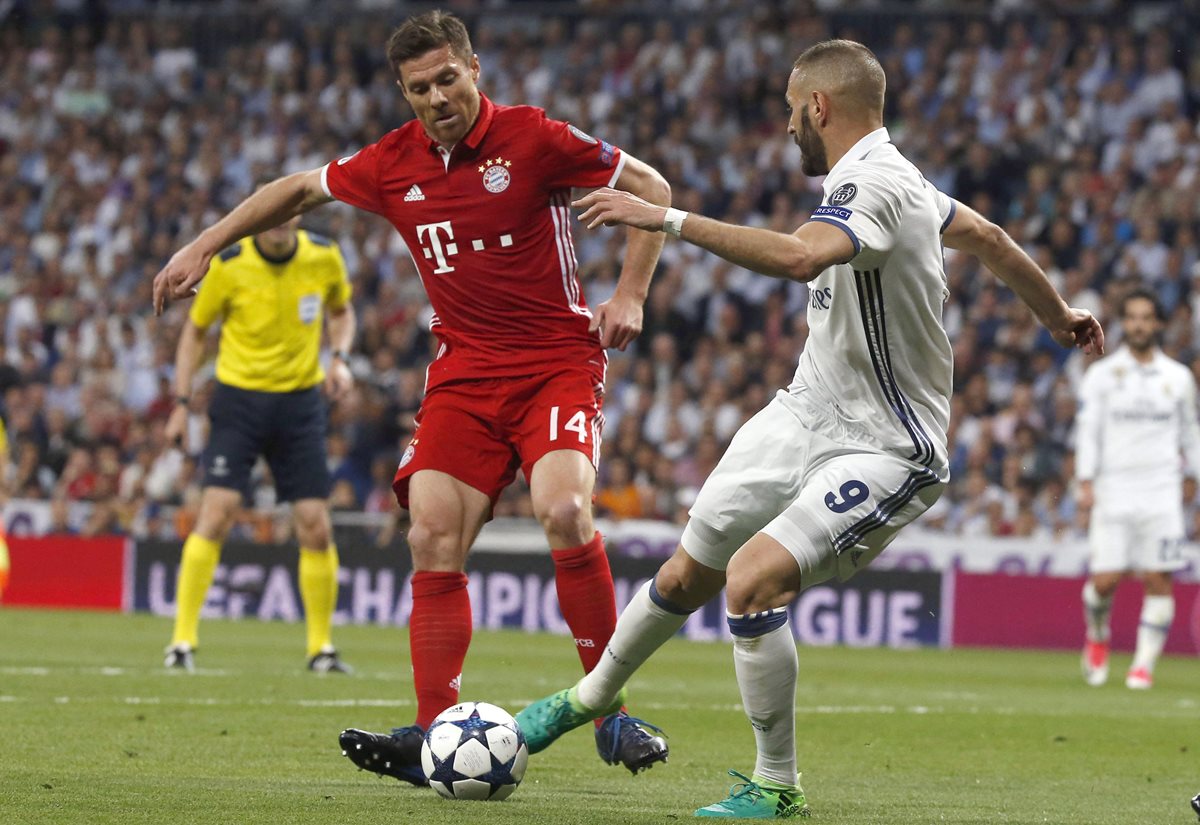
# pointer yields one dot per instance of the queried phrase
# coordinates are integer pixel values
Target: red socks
(585, 597)
(439, 633)
(439, 628)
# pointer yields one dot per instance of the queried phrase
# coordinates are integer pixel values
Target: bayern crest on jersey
(496, 176)
(409, 452)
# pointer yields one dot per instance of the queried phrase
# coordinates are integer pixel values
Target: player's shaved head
(847, 72)
(425, 32)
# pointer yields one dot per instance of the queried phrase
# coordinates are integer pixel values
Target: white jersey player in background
(820, 481)
(1136, 429)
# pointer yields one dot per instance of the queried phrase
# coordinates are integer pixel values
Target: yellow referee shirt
(271, 312)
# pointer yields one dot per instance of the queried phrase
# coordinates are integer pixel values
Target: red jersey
(488, 225)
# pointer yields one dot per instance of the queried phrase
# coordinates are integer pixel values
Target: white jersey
(1136, 428)
(877, 368)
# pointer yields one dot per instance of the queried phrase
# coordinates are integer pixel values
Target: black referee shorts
(286, 428)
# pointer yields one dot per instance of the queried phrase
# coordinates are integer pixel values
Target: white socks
(642, 628)
(1157, 614)
(1096, 610)
(764, 657)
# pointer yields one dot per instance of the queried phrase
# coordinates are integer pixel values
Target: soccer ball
(474, 751)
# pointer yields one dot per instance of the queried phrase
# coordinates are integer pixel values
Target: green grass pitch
(93, 730)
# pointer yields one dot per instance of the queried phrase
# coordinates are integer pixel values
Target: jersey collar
(483, 121)
(1155, 359)
(284, 259)
(857, 152)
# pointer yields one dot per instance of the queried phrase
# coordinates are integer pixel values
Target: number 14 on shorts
(577, 424)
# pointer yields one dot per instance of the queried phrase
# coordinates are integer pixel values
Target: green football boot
(759, 798)
(549, 718)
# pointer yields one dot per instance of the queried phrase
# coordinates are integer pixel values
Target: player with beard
(1137, 420)
(819, 482)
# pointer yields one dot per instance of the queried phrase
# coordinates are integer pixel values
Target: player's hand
(1080, 329)
(338, 380)
(179, 277)
(176, 426)
(619, 320)
(610, 207)
(1189, 490)
(1085, 497)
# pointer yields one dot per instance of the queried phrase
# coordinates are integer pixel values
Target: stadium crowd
(122, 133)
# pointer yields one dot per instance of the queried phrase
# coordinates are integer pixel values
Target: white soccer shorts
(835, 508)
(1144, 540)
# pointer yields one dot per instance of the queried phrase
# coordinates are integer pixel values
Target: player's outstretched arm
(619, 319)
(801, 256)
(974, 234)
(268, 207)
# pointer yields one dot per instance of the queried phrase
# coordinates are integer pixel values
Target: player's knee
(434, 545)
(682, 582)
(670, 584)
(567, 517)
(1106, 583)
(748, 592)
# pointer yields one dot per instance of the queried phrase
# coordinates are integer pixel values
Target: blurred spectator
(620, 496)
(1079, 132)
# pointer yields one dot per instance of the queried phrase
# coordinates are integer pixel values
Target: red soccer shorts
(480, 432)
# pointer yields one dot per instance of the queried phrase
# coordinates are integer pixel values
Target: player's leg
(646, 623)
(1110, 542)
(1098, 593)
(318, 572)
(201, 553)
(449, 478)
(756, 478)
(654, 614)
(554, 422)
(447, 515)
(1158, 612)
(561, 483)
(1159, 555)
(850, 508)
(446, 518)
(763, 579)
(560, 486)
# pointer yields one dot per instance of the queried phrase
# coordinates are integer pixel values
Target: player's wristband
(673, 221)
(340, 355)
(182, 400)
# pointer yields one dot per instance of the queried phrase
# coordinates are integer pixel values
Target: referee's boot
(396, 754)
(327, 660)
(180, 657)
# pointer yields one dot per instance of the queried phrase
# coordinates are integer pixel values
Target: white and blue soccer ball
(474, 750)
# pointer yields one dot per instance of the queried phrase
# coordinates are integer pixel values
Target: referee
(269, 292)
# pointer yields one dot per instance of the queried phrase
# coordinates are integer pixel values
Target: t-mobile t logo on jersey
(435, 249)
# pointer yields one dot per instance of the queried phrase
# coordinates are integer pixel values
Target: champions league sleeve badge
(843, 194)
(582, 135)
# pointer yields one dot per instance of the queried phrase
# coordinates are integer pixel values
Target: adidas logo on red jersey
(415, 194)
